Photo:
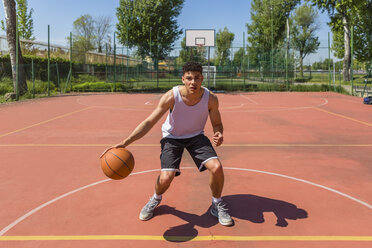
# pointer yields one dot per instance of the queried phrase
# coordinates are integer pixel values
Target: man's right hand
(120, 145)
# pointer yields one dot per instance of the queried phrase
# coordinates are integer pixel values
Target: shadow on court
(242, 206)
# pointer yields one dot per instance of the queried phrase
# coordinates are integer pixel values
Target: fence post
(122, 65)
(231, 67)
(48, 60)
(286, 57)
(33, 78)
(17, 65)
(242, 66)
(329, 60)
(351, 58)
(272, 46)
(58, 84)
(127, 76)
(114, 64)
(106, 62)
(70, 61)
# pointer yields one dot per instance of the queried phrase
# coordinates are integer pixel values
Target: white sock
(157, 197)
(216, 200)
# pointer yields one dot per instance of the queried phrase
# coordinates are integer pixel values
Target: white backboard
(195, 37)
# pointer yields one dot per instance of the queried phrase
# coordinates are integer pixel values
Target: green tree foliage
(25, 21)
(323, 65)
(149, 25)
(102, 29)
(362, 23)
(341, 13)
(303, 30)
(240, 59)
(224, 40)
(267, 28)
(363, 34)
(90, 34)
(83, 37)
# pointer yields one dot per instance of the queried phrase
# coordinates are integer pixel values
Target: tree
(303, 37)
(149, 25)
(362, 23)
(224, 40)
(363, 33)
(10, 18)
(240, 59)
(341, 13)
(102, 29)
(25, 21)
(90, 34)
(267, 29)
(83, 37)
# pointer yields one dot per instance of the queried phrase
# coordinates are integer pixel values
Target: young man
(188, 107)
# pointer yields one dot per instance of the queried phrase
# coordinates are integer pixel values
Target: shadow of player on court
(242, 206)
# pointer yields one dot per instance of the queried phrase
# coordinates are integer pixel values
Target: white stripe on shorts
(205, 161)
(171, 169)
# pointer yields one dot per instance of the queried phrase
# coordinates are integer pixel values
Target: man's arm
(215, 117)
(166, 102)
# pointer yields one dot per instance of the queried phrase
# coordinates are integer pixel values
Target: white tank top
(185, 121)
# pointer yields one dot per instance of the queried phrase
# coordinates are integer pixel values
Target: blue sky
(196, 14)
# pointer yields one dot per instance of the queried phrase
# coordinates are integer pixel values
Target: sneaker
(218, 210)
(148, 210)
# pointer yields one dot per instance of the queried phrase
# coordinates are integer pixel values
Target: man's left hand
(217, 138)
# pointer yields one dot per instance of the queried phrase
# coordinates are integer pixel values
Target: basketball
(117, 163)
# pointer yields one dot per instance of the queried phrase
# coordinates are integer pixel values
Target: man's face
(192, 80)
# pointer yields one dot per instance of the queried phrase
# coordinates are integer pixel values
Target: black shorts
(199, 147)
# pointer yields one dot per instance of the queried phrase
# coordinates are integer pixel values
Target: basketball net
(200, 48)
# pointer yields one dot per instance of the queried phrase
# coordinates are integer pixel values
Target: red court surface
(298, 173)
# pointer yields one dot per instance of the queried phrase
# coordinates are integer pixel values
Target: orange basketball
(117, 163)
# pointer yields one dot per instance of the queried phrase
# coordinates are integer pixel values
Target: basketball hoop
(196, 37)
(201, 38)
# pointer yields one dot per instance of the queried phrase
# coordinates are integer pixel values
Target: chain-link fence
(68, 69)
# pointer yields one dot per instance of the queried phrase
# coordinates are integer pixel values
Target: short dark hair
(192, 66)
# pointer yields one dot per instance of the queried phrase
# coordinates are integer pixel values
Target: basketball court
(297, 168)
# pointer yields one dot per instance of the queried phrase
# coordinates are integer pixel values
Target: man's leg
(164, 180)
(162, 184)
(216, 181)
(216, 178)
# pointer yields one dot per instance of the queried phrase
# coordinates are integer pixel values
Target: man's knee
(214, 166)
(166, 177)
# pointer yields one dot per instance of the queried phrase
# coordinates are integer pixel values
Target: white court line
(233, 107)
(78, 101)
(33, 211)
(222, 109)
(249, 99)
(281, 109)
